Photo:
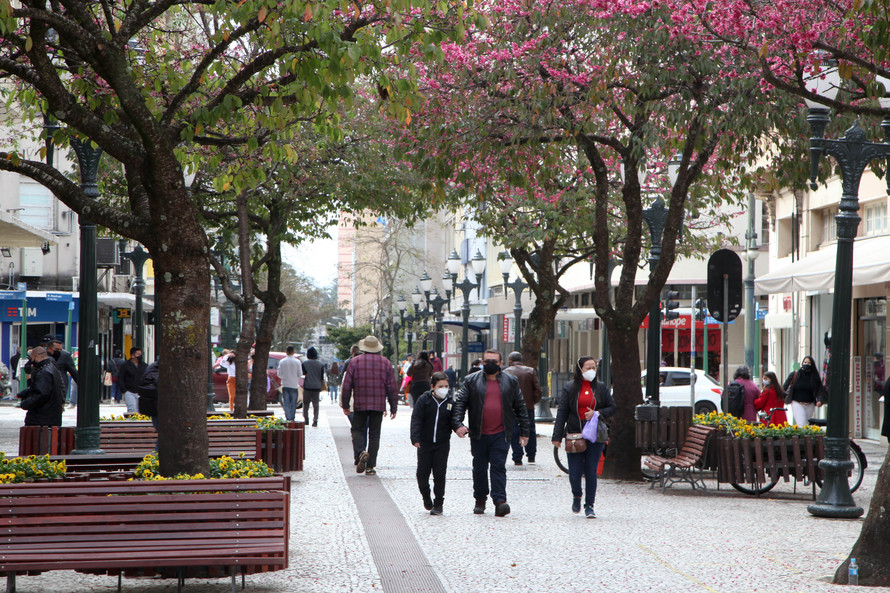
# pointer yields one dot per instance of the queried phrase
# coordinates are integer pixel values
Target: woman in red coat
(771, 397)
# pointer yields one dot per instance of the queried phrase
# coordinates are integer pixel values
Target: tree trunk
(870, 550)
(182, 287)
(273, 300)
(623, 458)
(242, 360)
(537, 329)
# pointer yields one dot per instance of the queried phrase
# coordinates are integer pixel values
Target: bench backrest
(205, 522)
(696, 442)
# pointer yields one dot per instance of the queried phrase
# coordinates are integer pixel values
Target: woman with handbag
(804, 391)
(583, 399)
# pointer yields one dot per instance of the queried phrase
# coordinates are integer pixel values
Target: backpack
(735, 400)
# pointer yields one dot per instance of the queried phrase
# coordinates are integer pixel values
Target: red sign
(505, 334)
(667, 341)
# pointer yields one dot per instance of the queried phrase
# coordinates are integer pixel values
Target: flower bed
(221, 468)
(754, 430)
(15, 470)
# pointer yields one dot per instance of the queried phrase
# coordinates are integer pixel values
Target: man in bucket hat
(371, 380)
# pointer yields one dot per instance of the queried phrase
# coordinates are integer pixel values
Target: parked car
(220, 394)
(674, 390)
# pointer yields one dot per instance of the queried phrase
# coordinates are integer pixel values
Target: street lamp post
(138, 256)
(517, 286)
(853, 154)
(465, 287)
(478, 265)
(437, 303)
(87, 432)
(750, 314)
(396, 326)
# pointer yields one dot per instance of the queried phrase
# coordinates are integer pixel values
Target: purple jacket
(371, 379)
(751, 393)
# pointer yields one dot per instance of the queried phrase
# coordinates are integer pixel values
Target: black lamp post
(517, 286)
(396, 326)
(86, 435)
(465, 287)
(853, 154)
(138, 256)
(437, 303)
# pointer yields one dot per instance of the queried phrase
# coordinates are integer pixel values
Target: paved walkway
(717, 542)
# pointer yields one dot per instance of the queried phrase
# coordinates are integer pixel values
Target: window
(36, 202)
(829, 224)
(876, 218)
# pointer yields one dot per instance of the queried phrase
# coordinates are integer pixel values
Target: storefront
(48, 313)
(869, 372)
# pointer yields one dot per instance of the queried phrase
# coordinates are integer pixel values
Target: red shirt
(586, 401)
(493, 410)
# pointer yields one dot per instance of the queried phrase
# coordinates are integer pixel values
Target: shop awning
(15, 233)
(871, 265)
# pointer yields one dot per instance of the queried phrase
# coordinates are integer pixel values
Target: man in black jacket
(64, 362)
(492, 401)
(43, 398)
(129, 377)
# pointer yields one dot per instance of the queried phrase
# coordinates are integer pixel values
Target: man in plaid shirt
(371, 378)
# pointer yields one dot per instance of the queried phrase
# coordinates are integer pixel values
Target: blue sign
(65, 297)
(761, 314)
(12, 295)
(475, 347)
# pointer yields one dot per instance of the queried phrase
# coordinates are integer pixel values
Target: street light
(655, 217)
(466, 287)
(478, 265)
(853, 154)
(86, 435)
(138, 256)
(396, 327)
(517, 286)
(447, 284)
(426, 284)
(437, 303)
(750, 314)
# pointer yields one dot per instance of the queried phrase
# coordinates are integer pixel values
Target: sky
(316, 259)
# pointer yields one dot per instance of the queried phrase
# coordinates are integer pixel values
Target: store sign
(507, 330)
(40, 310)
(122, 313)
(857, 397)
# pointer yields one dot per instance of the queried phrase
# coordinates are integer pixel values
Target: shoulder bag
(790, 391)
(575, 443)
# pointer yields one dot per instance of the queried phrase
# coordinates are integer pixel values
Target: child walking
(431, 434)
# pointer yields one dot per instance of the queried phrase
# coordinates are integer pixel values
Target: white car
(675, 390)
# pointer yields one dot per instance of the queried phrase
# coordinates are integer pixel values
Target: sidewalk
(717, 541)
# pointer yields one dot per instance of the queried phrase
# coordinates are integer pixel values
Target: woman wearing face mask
(580, 401)
(803, 388)
(431, 435)
(771, 397)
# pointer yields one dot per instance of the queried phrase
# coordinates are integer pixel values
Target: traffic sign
(12, 295)
(65, 297)
(724, 269)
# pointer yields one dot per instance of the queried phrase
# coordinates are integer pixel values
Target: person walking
(333, 380)
(491, 401)
(148, 394)
(530, 388)
(431, 435)
(290, 372)
(803, 389)
(770, 398)
(64, 362)
(371, 380)
(227, 361)
(313, 383)
(742, 376)
(114, 368)
(44, 397)
(420, 372)
(581, 400)
(129, 377)
(438, 367)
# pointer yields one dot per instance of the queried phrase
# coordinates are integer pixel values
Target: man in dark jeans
(532, 394)
(492, 402)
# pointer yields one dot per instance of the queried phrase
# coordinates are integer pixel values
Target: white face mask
(589, 375)
(441, 392)
(766, 383)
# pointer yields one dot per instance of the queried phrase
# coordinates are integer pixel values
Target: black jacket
(148, 391)
(313, 374)
(470, 399)
(66, 366)
(44, 397)
(431, 419)
(129, 376)
(807, 386)
(567, 418)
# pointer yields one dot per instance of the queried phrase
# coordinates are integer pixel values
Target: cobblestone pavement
(717, 541)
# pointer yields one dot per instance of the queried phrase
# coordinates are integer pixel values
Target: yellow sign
(123, 313)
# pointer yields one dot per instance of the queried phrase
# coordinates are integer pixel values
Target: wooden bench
(135, 527)
(282, 450)
(688, 465)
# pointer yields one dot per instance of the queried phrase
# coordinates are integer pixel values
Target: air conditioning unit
(32, 262)
(121, 283)
(107, 254)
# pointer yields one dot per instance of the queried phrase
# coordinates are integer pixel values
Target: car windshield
(273, 363)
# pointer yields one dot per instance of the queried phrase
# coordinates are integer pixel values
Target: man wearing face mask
(530, 388)
(129, 377)
(431, 435)
(64, 362)
(492, 401)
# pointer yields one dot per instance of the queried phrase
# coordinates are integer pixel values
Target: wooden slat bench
(133, 527)
(687, 466)
(281, 450)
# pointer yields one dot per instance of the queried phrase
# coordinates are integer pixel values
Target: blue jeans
(332, 389)
(585, 464)
(289, 398)
(116, 394)
(490, 458)
(531, 449)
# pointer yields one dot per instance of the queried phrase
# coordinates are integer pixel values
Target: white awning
(15, 233)
(871, 265)
(124, 300)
